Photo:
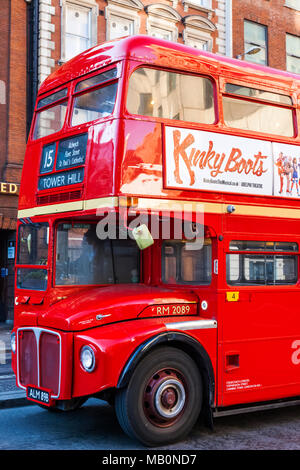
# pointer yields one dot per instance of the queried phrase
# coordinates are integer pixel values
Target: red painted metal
(125, 157)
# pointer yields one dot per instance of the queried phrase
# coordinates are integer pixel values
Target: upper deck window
(256, 93)
(97, 79)
(94, 103)
(158, 93)
(50, 99)
(258, 110)
(50, 119)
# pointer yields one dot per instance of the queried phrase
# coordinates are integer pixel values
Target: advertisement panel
(201, 160)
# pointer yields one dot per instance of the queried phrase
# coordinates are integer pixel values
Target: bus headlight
(13, 342)
(87, 358)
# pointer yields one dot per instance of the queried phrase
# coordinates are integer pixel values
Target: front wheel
(163, 398)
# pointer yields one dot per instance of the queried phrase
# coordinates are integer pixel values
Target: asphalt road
(95, 427)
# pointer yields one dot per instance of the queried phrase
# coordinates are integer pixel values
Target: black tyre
(163, 399)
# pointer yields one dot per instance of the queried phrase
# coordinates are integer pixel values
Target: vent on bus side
(59, 197)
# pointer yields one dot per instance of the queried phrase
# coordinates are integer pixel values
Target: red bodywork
(125, 157)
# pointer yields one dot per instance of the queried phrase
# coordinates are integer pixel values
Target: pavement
(10, 394)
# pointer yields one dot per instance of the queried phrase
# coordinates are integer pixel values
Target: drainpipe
(228, 16)
(32, 57)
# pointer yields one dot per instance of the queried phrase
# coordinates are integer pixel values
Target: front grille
(39, 353)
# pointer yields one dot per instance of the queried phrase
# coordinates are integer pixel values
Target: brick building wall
(12, 138)
(277, 16)
(187, 20)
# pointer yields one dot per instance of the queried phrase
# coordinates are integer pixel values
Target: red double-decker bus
(131, 141)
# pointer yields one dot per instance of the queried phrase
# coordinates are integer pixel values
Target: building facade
(271, 25)
(69, 27)
(13, 25)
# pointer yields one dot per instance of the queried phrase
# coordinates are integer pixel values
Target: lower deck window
(180, 265)
(261, 269)
(32, 279)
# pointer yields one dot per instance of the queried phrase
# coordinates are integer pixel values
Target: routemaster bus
(131, 141)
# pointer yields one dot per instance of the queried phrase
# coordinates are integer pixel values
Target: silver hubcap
(169, 398)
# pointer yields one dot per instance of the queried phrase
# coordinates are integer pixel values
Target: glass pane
(285, 269)
(183, 266)
(198, 44)
(293, 45)
(255, 33)
(33, 243)
(258, 117)
(245, 269)
(250, 245)
(293, 4)
(244, 245)
(96, 79)
(191, 98)
(293, 64)
(74, 45)
(94, 105)
(35, 279)
(52, 98)
(256, 93)
(50, 120)
(161, 33)
(286, 246)
(78, 21)
(83, 259)
(120, 27)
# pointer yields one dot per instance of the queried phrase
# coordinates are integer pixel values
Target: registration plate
(39, 395)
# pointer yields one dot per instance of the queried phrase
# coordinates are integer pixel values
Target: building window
(255, 35)
(293, 4)
(293, 53)
(79, 27)
(162, 21)
(120, 27)
(122, 18)
(198, 32)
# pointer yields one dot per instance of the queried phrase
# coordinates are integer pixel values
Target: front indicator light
(13, 342)
(87, 358)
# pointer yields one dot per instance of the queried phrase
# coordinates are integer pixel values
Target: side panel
(259, 347)
(115, 345)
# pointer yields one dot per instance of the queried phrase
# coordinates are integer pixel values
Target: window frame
(74, 93)
(94, 10)
(185, 284)
(265, 253)
(37, 111)
(270, 89)
(34, 267)
(291, 55)
(76, 286)
(253, 44)
(168, 121)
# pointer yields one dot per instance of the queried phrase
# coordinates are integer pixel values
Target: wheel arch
(181, 341)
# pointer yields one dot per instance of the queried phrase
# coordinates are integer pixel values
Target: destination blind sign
(63, 178)
(70, 153)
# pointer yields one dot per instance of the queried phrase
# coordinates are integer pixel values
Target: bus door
(259, 321)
